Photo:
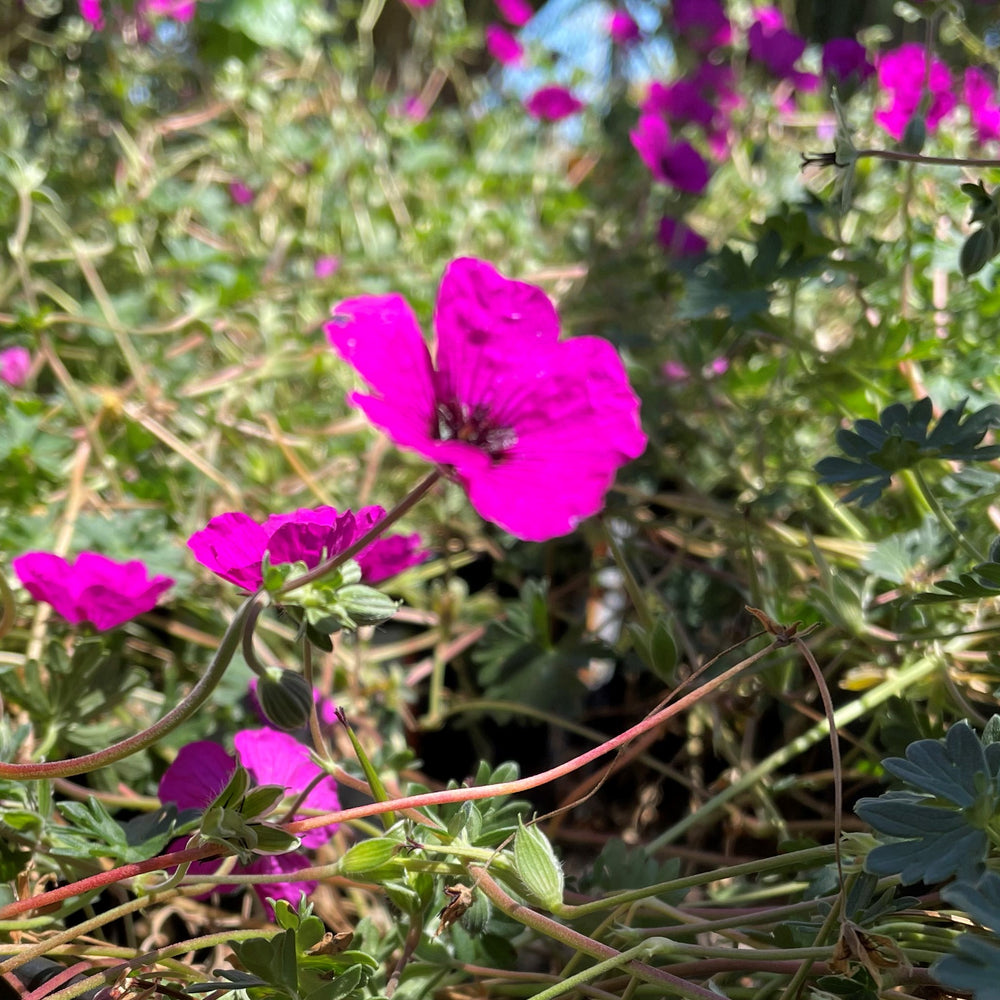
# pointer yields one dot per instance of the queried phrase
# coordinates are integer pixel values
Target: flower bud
(915, 134)
(977, 251)
(286, 699)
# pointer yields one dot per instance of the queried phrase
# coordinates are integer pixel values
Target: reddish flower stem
(101, 879)
(450, 795)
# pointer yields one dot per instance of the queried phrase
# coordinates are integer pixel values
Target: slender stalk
(406, 504)
(449, 795)
(942, 515)
(132, 744)
(580, 942)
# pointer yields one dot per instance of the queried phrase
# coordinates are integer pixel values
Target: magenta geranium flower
(90, 11)
(681, 102)
(15, 362)
(679, 240)
(702, 24)
(844, 58)
(92, 589)
(241, 193)
(503, 46)
(901, 75)
(533, 427)
(552, 103)
(623, 28)
(678, 164)
(202, 769)
(326, 267)
(234, 544)
(515, 12)
(770, 42)
(177, 10)
(980, 95)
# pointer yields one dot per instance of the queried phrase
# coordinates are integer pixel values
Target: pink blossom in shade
(240, 193)
(702, 24)
(901, 76)
(770, 42)
(552, 104)
(844, 58)
(15, 363)
(515, 12)
(326, 267)
(275, 758)
(532, 427)
(679, 240)
(980, 95)
(326, 710)
(202, 769)
(717, 366)
(680, 102)
(674, 371)
(623, 28)
(92, 589)
(503, 46)
(90, 11)
(678, 164)
(176, 10)
(233, 545)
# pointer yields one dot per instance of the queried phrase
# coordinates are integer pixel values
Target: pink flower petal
(503, 46)
(368, 331)
(277, 758)
(278, 865)
(96, 589)
(197, 775)
(15, 362)
(515, 12)
(552, 104)
(231, 545)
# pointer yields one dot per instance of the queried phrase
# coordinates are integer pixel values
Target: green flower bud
(537, 866)
(366, 605)
(286, 699)
(977, 251)
(915, 134)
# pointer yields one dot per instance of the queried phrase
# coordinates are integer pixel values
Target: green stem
(646, 618)
(325, 568)
(580, 942)
(939, 512)
(125, 748)
(906, 678)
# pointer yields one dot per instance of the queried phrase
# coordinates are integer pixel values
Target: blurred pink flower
(679, 240)
(240, 193)
(532, 427)
(232, 545)
(702, 23)
(678, 164)
(623, 28)
(503, 46)
(177, 10)
(980, 95)
(844, 58)
(202, 769)
(326, 267)
(413, 108)
(717, 366)
(770, 42)
(680, 102)
(90, 11)
(515, 12)
(419, 3)
(15, 363)
(674, 371)
(94, 588)
(901, 75)
(552, 104)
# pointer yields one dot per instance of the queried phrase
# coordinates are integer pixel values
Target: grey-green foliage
(900, 439)
(939, 825)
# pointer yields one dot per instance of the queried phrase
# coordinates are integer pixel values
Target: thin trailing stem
(140, 741)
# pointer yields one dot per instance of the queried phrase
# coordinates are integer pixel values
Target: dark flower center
(458, 422)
